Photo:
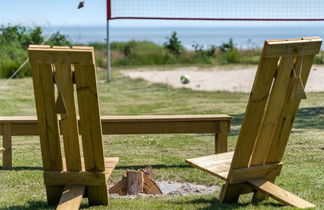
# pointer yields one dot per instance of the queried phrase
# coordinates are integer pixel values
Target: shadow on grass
(307, 118)
(30, 205)
(310, 117)
(35, 205)
(157, 166)
(23, 168)
(214, 204)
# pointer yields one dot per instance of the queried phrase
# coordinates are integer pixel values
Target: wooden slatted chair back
(59, 68)
(273, 104)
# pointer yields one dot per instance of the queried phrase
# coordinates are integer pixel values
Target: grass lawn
(303, 172)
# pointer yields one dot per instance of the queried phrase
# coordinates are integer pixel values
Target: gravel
(171, 188)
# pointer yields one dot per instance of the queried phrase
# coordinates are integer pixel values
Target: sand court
(238, 79)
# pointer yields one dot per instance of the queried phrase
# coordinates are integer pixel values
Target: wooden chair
(274, 100)
(67, 179)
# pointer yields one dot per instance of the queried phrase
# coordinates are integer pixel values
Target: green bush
(229, 57)
(173, 44)
(319, 58)
(58, 39)
(14, 41)
(8, 67)
(98, 45)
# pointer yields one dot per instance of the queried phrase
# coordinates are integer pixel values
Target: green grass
(303, 172)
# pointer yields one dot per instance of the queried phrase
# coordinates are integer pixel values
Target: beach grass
(302, 174)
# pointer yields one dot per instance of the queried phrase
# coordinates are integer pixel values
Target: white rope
(61, 89)
(46, 40)
(292, 64)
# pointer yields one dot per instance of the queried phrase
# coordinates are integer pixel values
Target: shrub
(227, 46)
(319, 58)
(58, 39)
(209, 52)
(14, 41)
(8, 67)
(173, 44)
(229, 57)
(129, 49)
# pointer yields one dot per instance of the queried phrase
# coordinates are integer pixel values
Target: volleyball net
(254, 10)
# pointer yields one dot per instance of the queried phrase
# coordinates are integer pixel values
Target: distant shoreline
(244, 37)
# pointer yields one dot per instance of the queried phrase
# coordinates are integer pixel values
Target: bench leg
(221, 137)
(7, 144)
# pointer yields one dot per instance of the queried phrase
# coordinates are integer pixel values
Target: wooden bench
(118, 125)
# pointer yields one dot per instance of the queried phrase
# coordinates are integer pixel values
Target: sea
(243, 37)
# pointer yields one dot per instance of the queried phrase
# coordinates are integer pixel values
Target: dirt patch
(217, 79)
(177, 189)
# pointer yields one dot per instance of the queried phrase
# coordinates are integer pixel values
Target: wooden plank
(215, 157)
(110, 164)
(221, 137)
(69, 120)
(166, 118)
(58, 56)
(254, 111)
(7, 144)
(24, 129)
(298, 47)
(230, 193)
(74, 178)
(118, 128)
(130, 118)
(273, 111)
(287, 117)
(262, 171)
(259, 196)
(159, 127)
(160, 124)
(48, 123)
(296, 50)
(18, 119)
(71, 198)
(217, 165)
(90, 128)
(48, 129)
(280, 194)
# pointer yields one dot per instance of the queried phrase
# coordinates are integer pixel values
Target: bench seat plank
(217, 165)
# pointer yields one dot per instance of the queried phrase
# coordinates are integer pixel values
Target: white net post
(108, 54)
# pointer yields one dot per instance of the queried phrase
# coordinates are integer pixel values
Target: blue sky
(52, 12)
(56, 12)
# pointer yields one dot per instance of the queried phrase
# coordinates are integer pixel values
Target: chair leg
(280, 194)
(259, 196)
(98, 195)
(71, 197)
(230, 193)
(53, 194)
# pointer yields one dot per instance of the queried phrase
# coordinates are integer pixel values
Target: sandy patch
(217, 79)
(176, 188)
